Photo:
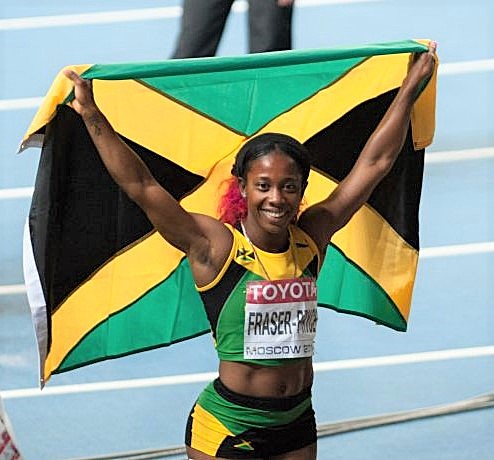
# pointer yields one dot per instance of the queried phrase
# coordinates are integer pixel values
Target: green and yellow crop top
(232, 316)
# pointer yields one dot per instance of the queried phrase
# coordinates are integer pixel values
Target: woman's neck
(266, 241)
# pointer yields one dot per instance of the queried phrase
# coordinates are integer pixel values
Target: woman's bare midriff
(267, 381)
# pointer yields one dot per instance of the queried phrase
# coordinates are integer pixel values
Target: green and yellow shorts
(223, 423)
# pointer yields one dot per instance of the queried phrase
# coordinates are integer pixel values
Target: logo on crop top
(246, 255)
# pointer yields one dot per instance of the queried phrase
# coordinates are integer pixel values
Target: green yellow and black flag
(102, 283)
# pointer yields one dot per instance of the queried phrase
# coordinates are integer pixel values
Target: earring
(244, 195)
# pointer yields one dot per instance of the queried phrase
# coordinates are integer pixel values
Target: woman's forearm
(123, 164)
(389, 137)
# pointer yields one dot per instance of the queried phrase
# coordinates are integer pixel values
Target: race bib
(280, 319)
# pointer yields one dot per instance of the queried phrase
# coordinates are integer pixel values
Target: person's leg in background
(202, 25)
(270, 26)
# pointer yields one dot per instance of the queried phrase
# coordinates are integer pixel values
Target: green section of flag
(283, 80)
(346, 288)
(281, 88)
(142, 70)
(342, 286)
(156, 319)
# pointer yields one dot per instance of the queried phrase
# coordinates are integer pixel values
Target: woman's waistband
(276, 404)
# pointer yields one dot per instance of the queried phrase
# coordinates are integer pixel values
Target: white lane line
(10, 289)
(459, 68)
(309, 3)
(359, 363)
(483, 153)
(411, 358)
(20, 103)
(133, 15)
(457, 250)
(14, 193)
(425, 253)
(102, 17)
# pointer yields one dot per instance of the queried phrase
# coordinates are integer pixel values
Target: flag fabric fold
(102, 283)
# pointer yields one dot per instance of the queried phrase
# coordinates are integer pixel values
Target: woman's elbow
(381, 167)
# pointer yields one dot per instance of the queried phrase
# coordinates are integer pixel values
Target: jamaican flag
(101, 281)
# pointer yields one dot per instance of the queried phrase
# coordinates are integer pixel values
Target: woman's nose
(276, 195)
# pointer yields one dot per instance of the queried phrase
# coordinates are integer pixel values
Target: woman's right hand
(83, 102)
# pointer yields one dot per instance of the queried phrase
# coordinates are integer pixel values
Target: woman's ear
(241, 186)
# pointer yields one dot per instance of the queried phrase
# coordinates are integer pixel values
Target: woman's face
(273, 190)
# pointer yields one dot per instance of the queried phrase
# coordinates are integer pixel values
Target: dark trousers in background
(203, 22)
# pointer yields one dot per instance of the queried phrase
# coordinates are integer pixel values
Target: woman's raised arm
(202, 238)
(323, 219)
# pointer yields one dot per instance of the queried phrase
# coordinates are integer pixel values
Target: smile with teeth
(275, 214)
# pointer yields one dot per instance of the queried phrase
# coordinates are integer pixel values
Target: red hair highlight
(232, 207)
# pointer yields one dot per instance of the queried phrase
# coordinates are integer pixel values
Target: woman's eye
(262, 186)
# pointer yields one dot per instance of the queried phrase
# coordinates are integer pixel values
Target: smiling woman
(256, 272)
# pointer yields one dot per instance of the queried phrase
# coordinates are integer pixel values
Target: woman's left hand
(422, 64)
